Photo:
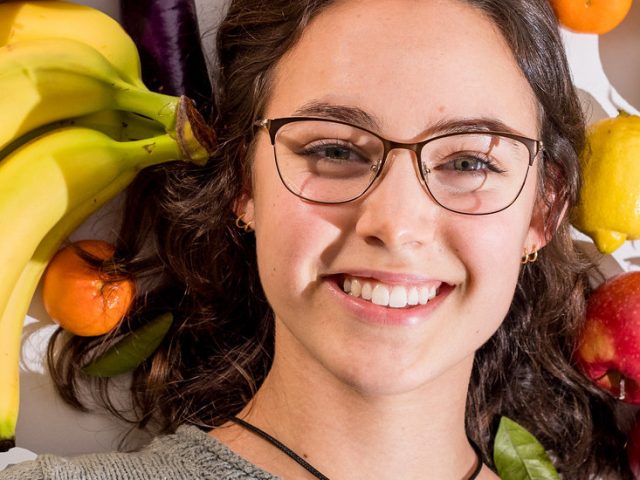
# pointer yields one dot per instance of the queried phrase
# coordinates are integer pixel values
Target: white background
(605, 68)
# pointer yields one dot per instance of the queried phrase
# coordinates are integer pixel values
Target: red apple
(609, 346)
(633, 448)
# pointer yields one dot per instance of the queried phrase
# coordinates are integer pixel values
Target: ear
(539, 233)
(244, 207)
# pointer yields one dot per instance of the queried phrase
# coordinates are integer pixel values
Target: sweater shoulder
(188, 454)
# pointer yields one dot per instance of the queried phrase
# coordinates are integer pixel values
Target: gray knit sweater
(188, 454)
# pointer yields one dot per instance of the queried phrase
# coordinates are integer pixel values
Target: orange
(80, 298)
(591, 16)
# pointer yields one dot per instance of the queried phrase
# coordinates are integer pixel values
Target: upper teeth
(395, 296)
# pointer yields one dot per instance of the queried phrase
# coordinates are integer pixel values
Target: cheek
(491, 251)
(492, 257)
(493, 245)
(292, 236)
(291, 246)
(286, 244)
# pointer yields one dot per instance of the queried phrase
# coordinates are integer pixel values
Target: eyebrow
(362, 118)
(344, 113)
(456, 125)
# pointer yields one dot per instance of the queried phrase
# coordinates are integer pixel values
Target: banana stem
(151, 151)
(159, 107)
(197, 140)
(179, 117)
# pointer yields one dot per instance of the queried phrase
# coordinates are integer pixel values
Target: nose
(398, 212)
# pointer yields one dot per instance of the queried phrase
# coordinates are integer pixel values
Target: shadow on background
(620, 56)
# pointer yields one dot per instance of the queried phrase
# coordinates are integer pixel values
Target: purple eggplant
(168, 39)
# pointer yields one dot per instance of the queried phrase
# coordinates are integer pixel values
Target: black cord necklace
(307, 466)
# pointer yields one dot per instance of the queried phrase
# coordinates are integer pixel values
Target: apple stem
(623, 393)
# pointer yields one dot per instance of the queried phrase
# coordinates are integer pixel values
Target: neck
(347, 432)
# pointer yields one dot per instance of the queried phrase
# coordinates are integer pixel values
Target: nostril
(374, 241)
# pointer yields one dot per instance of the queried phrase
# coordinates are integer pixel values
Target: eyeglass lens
(330, 162)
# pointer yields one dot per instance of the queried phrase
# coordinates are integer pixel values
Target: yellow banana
(42, 81)
(119, 125)
(33, 20)
(58, 180)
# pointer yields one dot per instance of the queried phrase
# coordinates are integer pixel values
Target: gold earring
(529, 257)
(242, 225)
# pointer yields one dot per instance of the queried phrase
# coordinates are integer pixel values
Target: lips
(390, 295)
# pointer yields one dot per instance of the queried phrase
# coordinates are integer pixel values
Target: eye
(470, 162)
(337, 152)
(334, 151)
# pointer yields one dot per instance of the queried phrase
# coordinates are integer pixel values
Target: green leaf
(519, 456)
(132, 350)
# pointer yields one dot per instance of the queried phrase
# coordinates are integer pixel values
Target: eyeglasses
(469, 172)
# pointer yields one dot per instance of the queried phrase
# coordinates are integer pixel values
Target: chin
(380, 379)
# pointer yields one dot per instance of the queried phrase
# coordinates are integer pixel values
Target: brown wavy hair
(178, 239)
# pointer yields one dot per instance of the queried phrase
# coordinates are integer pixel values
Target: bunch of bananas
(77, 125)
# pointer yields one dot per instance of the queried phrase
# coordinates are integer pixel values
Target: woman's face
(413, 66)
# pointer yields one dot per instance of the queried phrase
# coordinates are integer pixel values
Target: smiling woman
(403, 273)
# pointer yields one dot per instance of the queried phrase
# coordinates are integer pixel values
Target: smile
(393, 296)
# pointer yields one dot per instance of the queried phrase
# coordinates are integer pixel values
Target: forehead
(408, 63)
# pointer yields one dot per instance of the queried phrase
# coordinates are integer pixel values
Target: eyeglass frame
(273, 125)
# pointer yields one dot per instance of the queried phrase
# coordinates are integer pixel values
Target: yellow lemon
(609, 207)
